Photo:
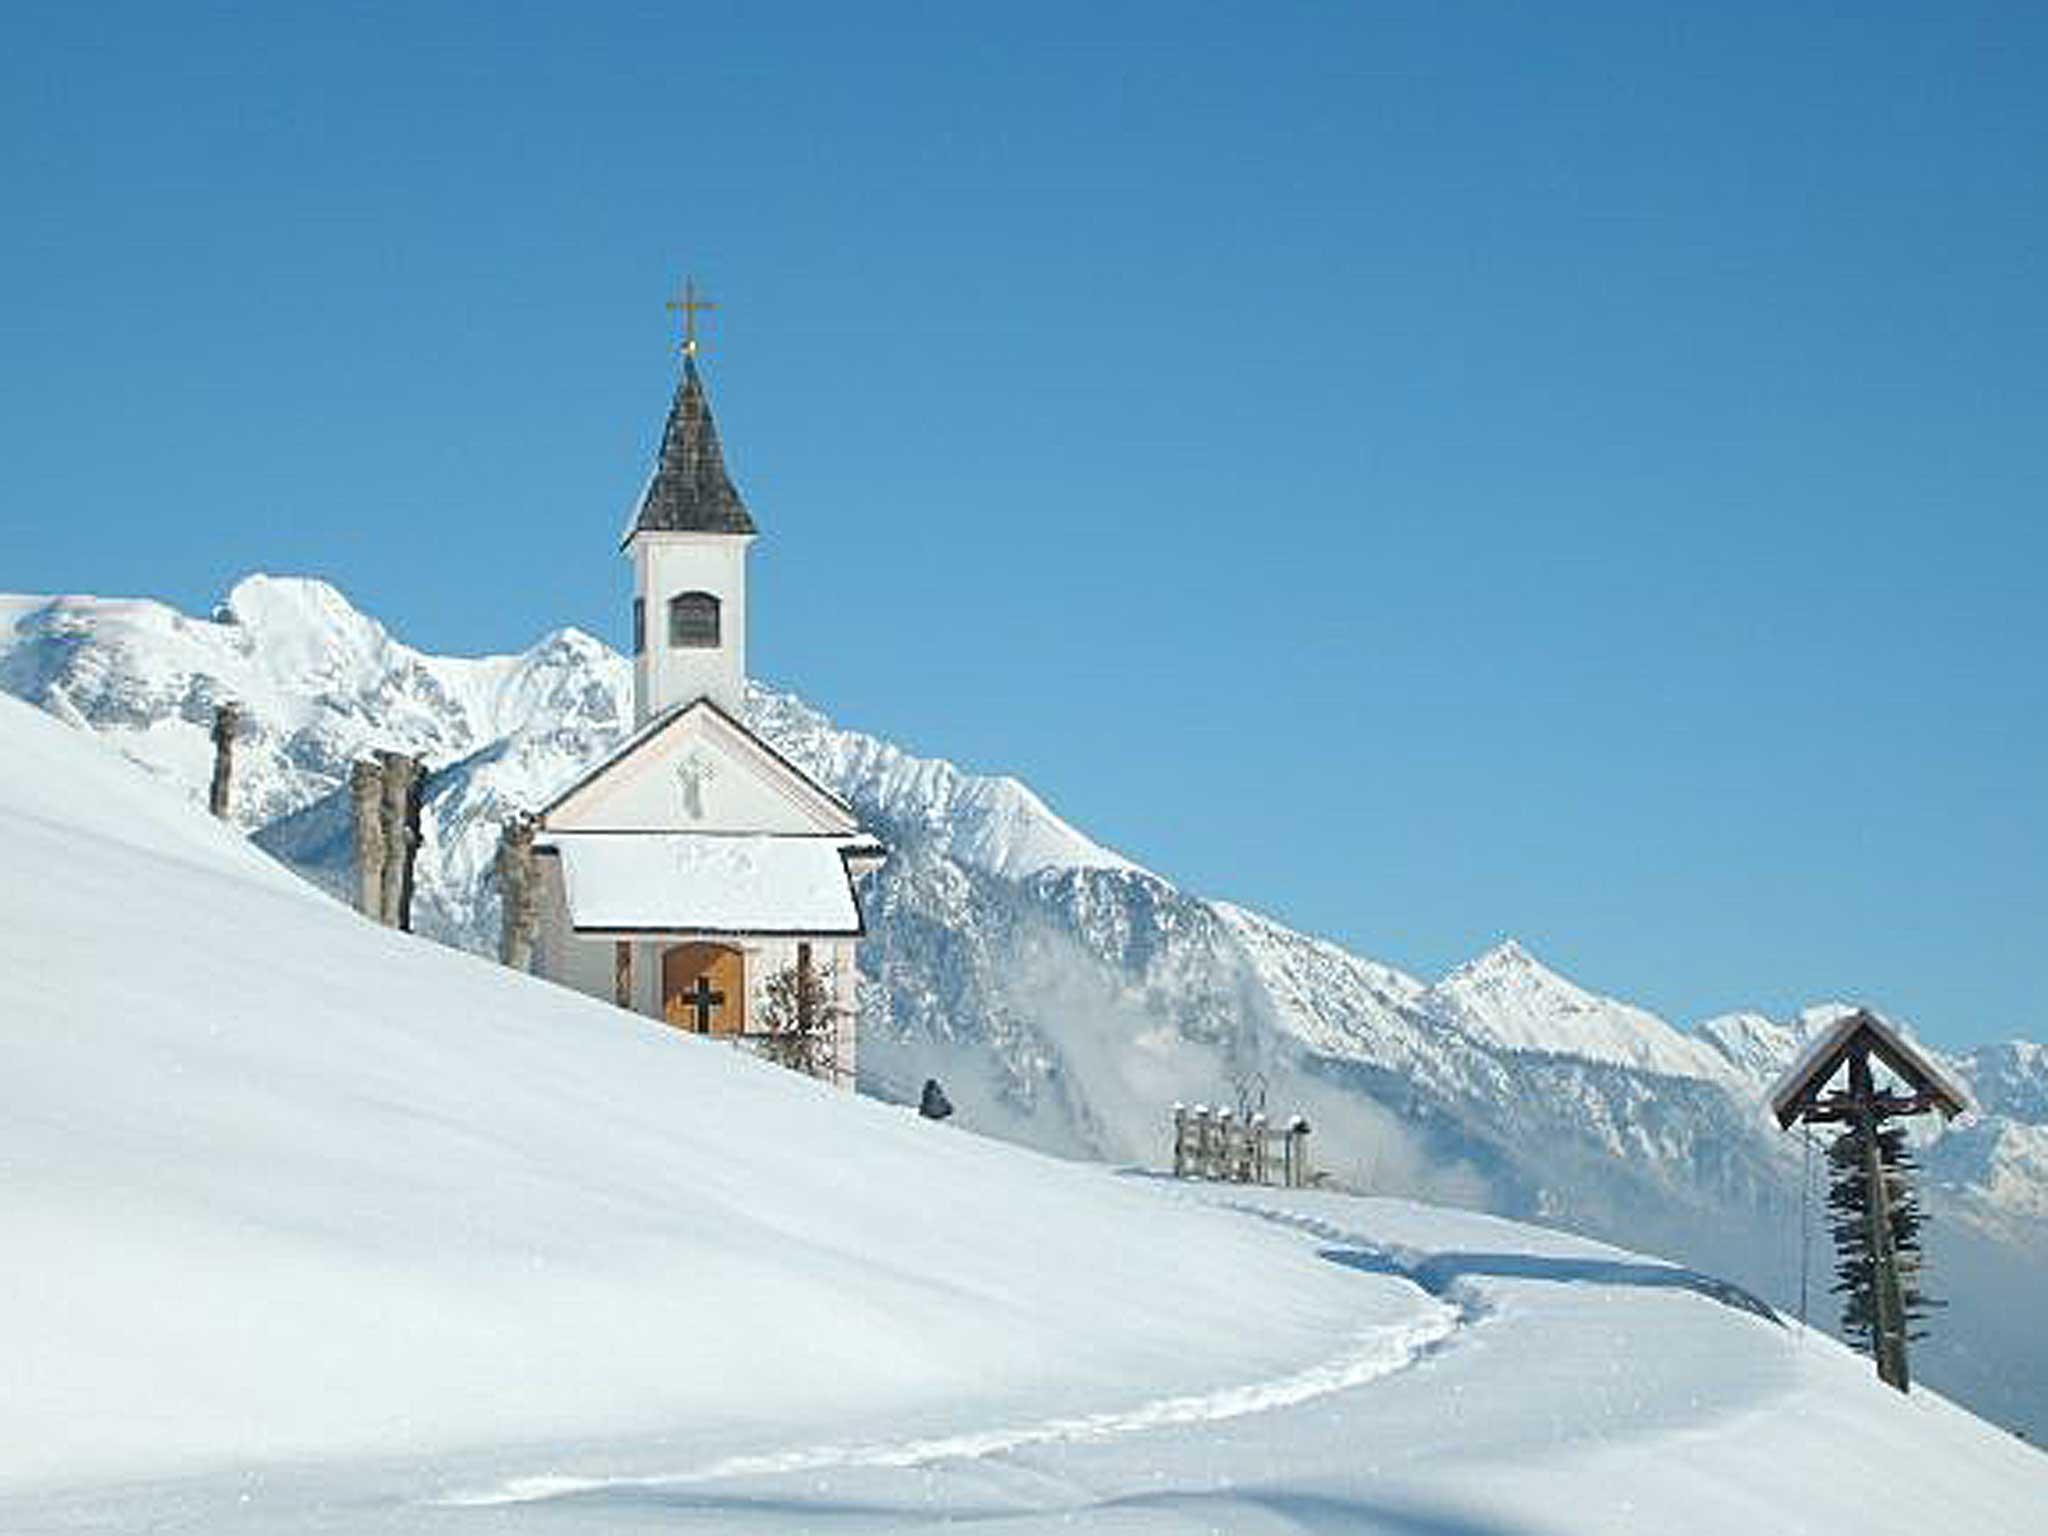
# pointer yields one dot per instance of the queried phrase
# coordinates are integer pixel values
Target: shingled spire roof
(690, 491)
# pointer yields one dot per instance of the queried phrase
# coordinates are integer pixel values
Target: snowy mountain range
(1066, 996)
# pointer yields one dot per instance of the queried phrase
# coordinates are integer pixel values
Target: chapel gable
(696, 769)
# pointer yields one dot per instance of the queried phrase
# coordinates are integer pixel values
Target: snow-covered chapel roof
(690, 491)
(708, 883)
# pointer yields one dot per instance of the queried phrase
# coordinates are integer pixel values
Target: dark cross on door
(703, 999)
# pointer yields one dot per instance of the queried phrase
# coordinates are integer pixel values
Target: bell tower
(688, 546)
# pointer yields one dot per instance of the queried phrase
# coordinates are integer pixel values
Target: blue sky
(1428, 472)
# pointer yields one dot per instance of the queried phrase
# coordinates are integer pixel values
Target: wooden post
(391, 816)
(1890, 1331)
(1180, 1141)
(518, 894)
(1259, 1131)
(622, 974)
(1297, 1153)
(415, 793)
(806, 988)
(366, 796)
(226, 720)
(1204, 1133)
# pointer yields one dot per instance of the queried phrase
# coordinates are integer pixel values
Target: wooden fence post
(227, 719)
(1180, 1141)
(391, 816)
(518, 893)
(1297, 1153)
(366, 797)
(415, 794)
(622, 974)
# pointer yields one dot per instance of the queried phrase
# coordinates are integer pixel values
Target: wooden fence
(1233, 1150)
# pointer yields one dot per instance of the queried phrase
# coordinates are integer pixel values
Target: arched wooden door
(704, 988)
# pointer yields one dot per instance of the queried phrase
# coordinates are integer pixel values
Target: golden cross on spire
(688, 303)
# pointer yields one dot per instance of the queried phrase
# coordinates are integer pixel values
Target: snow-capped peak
(1509, 999)
(1508, 957)
(1756, 1045)
(990, 821)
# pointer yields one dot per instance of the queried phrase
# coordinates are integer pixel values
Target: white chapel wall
(584, 964)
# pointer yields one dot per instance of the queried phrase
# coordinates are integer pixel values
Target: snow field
(296, 1185)
(317, 1227)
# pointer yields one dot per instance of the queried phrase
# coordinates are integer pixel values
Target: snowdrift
(312, 1225)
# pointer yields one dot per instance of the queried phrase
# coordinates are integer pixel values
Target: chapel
(696, 875)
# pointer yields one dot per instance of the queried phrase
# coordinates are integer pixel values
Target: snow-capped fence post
(1214, 1145)
(227, 719)
(1295, 1153)
(366, 798)
(518, 893)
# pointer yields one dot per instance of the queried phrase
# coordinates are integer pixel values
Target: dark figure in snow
(933, 1103)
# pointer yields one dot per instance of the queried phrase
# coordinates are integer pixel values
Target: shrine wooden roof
(1798, 1091)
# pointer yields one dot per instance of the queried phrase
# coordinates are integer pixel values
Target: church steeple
(691, 491)
(688, 545)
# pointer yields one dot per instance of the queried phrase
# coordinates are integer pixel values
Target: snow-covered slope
(1067, 997)
(320, 1227)
(290, 1183)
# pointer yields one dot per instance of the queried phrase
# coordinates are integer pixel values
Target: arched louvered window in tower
(693, 621)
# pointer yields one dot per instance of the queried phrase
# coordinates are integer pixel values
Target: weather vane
(689, 304)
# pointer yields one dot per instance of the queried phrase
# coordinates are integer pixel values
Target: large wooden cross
(1854, 1041)
(688, 304)
(703, 999)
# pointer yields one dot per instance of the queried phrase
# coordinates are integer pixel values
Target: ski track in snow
(1447, 1284)
(1377, 1353)
(1410, 1264)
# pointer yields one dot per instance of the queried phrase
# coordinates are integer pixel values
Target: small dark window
(639, 625)
(693, 621)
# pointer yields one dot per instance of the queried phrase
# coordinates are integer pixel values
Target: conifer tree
(1849, 1220)
(799, 1020)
